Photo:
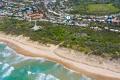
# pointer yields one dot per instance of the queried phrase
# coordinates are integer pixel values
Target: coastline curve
(94, 72)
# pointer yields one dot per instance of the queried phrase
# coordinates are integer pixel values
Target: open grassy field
(102, 43)
(96, 9)
(102, 9)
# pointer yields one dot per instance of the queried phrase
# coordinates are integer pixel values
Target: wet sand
(51, 53)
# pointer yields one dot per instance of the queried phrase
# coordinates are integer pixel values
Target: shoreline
(26, 49)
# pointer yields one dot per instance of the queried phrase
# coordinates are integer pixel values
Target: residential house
(34, 16)
(116, 20)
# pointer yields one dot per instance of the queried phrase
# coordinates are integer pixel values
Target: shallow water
(18, 67)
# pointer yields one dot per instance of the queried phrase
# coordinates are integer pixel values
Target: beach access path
(33, 49)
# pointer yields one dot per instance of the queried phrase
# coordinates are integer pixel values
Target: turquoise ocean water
(18, 67)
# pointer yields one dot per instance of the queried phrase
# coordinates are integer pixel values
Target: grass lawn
(102, 9)
(96, 9)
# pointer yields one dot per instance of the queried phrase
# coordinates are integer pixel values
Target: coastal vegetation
(102, 43)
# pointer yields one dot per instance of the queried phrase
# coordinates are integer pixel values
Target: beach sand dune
(25, 47)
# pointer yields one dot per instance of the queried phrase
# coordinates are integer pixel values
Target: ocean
(14, 66)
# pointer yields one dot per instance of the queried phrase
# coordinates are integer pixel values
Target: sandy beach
(100, 70)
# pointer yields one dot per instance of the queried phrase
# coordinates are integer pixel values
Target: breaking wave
(12, 66)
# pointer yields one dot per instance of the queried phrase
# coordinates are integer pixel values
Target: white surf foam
(42, 60)
(41, 76)
(5, 66)
(7, 52)
(2, 43)
(56, 65)
(8, 48)
(1, 63)
(29, 72)
(8, 72)
(51, 77)
(17, 60)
